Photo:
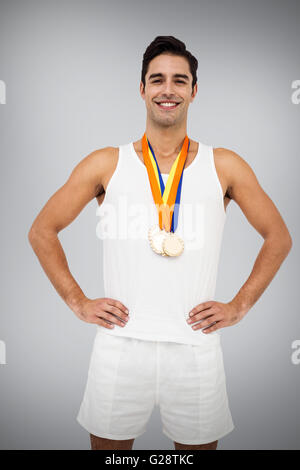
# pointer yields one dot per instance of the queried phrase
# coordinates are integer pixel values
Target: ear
(142, 90)
(195, 90)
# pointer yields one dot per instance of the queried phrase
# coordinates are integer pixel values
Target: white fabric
(128, 377)
(160, 291)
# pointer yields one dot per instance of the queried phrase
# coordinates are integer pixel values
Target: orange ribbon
(165, 210)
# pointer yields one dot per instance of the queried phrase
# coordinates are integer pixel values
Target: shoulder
(235, 168)
(100, 156)
(229, 159)
(95, 166)
(99, 160)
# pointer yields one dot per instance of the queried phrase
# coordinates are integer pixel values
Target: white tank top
(159, 291)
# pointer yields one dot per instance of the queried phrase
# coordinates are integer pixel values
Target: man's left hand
(216, 314)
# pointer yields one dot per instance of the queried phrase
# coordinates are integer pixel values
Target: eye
(178, 81)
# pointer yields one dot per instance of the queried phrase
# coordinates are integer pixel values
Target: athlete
(162, 204)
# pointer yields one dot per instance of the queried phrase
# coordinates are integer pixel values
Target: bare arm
(61, 209)
(262, 214)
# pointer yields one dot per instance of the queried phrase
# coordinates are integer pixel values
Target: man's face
(174, 83)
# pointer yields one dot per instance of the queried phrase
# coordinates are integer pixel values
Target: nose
(168, 88)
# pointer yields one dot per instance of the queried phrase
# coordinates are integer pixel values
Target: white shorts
(128, 376)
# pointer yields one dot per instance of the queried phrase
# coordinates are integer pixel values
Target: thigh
(192, 393)
(120, 390)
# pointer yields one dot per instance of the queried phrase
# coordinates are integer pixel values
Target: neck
(166, 142)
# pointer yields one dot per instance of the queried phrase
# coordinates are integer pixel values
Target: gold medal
(156, 238)
(172, 245)
(165, 243)
(162, 238)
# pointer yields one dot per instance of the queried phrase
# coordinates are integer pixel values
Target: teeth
(167, 104)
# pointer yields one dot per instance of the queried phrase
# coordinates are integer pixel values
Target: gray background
(72, 71)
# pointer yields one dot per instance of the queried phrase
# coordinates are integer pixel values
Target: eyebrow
(176, 75)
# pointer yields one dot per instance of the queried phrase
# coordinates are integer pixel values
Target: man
(157, 340)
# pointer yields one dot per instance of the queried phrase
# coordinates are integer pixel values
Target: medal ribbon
(165, 197)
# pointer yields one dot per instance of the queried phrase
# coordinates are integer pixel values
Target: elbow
(283, 241)
(287, 240)
(289, 243)
(32, 235)
(38, 232)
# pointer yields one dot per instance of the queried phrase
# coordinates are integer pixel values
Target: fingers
(102, 322)
(116, 308)
(207, 322)
(209, 314)
(109, 321)
(206, 314)
(217, 326)
(204, 306)
(113, 313)
(105, 312)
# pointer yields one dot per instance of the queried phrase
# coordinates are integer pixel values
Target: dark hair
(170, 45)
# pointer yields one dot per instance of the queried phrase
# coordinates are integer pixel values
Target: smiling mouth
(168, 106)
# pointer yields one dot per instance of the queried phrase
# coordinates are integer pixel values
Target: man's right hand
(103, 311)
